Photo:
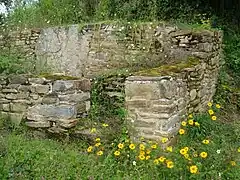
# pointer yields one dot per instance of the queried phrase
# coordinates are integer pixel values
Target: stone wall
(158, 99)
(90, 50)
(44, 103)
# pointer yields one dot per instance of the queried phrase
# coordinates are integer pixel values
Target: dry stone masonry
(44, 103)
(174, 69)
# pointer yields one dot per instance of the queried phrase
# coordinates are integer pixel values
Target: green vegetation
(213, 146)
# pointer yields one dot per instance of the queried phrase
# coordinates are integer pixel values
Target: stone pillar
(155, 105)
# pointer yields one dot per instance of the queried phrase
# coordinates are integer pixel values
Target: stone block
(140, 103)
(147, 123)
(193, 94)
(16, 118)
(18, 79)
(9, 91)
(76, 97)
(5, 107)
(4, 101)
(11, 96)
(42, 89)
(170, 123)
(51, 112)
(18, 107)
(50, 99)
(68, 123)
(36, 80)
(169, 109)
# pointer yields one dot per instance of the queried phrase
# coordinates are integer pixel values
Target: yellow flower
(105, 125)
(190, 122)
(132, 146)
(161, 159)
(209, 104)
(205, 141)
(141, 157)
(238, 150)
(164, 140)
(169, 148)
(97, 139)
(97, 144)
(142, 147)
(117, 153)
(184, 123)
(120, 145)
(154, 146)
(148, 157)
(214, 118)
(181, 131)
(190, 116)
(218, 106)
(93, 130)
(187, 156)
(142, 153)
(203, 154)
(148, 151)
(89, 149)
(156, 161)
(210, 111)
(193, 169)
(99, 153)
(183, 151)
(170, 164)
(233, 163)
(142, 138)
(186, 148)
(197, 124)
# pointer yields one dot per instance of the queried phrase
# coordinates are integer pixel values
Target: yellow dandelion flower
(184, 123)
(97, 139)
(197, 124)
(186, 148)
(218, 106)
(190, 122)
(142, 147)
(203, 154)
(132, 146)
(233, 163)
(97, 144)
(210, 111)
(141, 157)
(89, 149)
(214, 118)
(238, 150)
(100, 153)
(156, 161)
(120, 145)
(161, 159)
(117, 153)
(193, 169)
(142, 153)
(190, 116)
(148, 157)
(93, 130)
(105, 125)
(169, 149)
(148, 151)
(209, 104)
(183, 151)
(186, 156)
(205, 141)
(181, 131)
(170, 164)
(164, 140)
(154, 146)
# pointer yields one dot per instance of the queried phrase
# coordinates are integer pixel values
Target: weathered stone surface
(68, 123)
(77, 97)
(9, 91)
(42, 89)
(164, 108)
(5, 107)
(50, 99)
(4, 101)
(36, 80)
(11, 96)
(18, 79)
(18, 107)
(140, 103)
(51, 112)
(193, 94)
(16, 118)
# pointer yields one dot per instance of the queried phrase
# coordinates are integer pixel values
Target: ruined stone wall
(44, 103)
(158, 99)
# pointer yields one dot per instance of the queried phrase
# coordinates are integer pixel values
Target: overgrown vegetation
(206, 149)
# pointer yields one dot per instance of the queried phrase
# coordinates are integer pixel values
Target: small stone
(9, 91)
(18, 79)
(18, 107)
(11, 96)
(36, 80)
(68, 123)
(50, 99)
(42, 89)
(4, 101)
(193, 94)
(6, 107)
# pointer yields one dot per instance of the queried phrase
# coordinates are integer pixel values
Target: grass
(24, 158)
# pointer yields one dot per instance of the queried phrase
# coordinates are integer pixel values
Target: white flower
(134, 163)
(218, 151)
(219, 174)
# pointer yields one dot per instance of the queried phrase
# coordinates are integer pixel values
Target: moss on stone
(58, 77)
(169, 70)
